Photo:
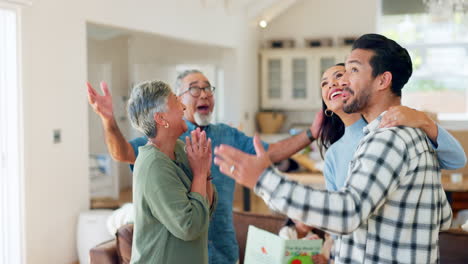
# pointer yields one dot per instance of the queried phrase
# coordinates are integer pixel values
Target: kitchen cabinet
(290, 78)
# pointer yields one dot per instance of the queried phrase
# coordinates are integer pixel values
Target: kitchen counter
(313, 179)
(317, 180)
(272, 138)
(455, 186)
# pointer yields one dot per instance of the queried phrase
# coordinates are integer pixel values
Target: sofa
(452, 243)
(118, 251)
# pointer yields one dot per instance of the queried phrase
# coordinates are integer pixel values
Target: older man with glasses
(196, 93)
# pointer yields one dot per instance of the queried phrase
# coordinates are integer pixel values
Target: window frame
(13, 205)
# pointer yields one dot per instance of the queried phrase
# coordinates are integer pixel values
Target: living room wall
(54, 97)
(319, 19)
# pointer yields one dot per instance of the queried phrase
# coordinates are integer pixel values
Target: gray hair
(180, 77)
(146, 99)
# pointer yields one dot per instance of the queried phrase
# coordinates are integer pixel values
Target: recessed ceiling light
(263, 23)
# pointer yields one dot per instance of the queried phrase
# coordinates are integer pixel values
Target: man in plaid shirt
(393, 205)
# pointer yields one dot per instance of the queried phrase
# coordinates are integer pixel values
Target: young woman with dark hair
(340, 133)
(332, 128)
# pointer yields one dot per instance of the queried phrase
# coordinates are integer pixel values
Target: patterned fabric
(391, 208)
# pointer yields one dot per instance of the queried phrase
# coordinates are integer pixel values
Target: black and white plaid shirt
(392, 206)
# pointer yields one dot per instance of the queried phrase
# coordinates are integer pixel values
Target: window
(11, 184)
(439, 49)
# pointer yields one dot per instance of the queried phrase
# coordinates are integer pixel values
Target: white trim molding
(11, 139)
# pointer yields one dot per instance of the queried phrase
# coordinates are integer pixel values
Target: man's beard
(357, 104)
(202, 120)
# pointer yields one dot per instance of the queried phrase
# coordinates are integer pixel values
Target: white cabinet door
(285, 80)
(300, 91)
(290, 78)
(273, 81)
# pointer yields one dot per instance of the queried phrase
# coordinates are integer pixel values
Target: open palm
(244, 168)
(101, 104)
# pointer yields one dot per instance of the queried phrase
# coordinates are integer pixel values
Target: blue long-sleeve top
(449, 152)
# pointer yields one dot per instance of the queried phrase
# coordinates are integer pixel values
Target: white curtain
(11, 183)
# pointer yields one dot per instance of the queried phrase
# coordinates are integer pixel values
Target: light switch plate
(57, 136)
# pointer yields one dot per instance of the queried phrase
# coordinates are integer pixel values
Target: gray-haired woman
(172, 191)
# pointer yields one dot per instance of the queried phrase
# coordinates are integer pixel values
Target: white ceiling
(268, 9)
(256, 10)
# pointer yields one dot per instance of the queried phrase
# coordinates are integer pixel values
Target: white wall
(134, 57)
(244, 63)
(113, 54)
(318, 18)
(54, 73)
(155, 57)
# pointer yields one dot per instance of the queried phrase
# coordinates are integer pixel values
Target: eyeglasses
(195, 91)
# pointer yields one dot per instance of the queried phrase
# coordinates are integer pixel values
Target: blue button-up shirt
(222, 243)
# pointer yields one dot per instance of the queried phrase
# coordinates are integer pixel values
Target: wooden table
(457, 192)
(455, 187)
(317, 180)
(313, 179)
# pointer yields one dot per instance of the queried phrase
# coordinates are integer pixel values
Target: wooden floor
(110, 203)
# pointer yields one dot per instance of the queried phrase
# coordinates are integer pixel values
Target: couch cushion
(124, 243)
(104, 253)
(452, 243)
(242, 220)
(453, 246)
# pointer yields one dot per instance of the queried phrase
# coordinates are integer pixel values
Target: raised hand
(405, 116)
(402, 116)
(242, 167)
(101, 104)
(319, 259)
(317, 124)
